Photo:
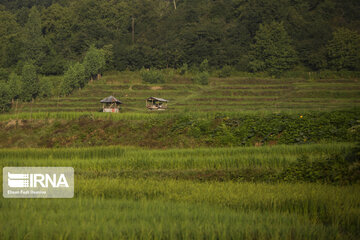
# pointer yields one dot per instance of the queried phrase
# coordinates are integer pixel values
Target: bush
(201, 78)
(204, 66)
(336, 169)
(74, 78)
(225, 71)
(184, 69)
(15, 86)
(152, 76)
(46, 88)
(5, 98)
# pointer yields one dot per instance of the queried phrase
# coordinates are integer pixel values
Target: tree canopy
(156, 34)
(273, 50)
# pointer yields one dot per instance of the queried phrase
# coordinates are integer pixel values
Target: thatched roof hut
(154, 103)
(110, 104)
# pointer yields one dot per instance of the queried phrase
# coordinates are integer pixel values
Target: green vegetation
(94, 61)
(299, 94)
(177, 130)
(272, 50)
(155, 219)
(30, 82)
(74, 78)
(152, 76)
(342, 50)
(5, 98)
(259, 140)
(156, 34)
(169, 192)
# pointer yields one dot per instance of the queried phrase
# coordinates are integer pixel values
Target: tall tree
(272, 50)
(94, 61)
(30, 82)
(74, 77)
(34, 43)
(10, 44)
(344, 50)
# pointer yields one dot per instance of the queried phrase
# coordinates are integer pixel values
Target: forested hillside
(250, 35)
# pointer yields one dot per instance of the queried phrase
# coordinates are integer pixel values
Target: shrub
(152, 76)
(204, 66)
(225, 71)
(14, 86)
(46, 88)
(5, 98)
(184, 69)
(335, 169)
(201, 78)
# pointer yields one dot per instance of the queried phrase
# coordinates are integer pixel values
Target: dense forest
(251, 35)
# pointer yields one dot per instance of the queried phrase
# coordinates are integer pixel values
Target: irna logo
(38, 182)
(16, 180)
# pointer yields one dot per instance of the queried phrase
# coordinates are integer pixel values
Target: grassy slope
(169, 130)
(228, 94)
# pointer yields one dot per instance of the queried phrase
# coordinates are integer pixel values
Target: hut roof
(157, 99)
(110, 99)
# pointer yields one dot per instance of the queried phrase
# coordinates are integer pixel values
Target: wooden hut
(111, 104)
(154, 103)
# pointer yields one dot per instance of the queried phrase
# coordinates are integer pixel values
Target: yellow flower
(301, 116)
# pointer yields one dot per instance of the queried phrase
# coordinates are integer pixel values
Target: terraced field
(230, 94)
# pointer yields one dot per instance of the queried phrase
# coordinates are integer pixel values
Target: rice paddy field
(308, 189)
(232, 94)
(133, 193)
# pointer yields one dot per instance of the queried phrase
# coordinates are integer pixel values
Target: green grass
(222, 94)
(132, 193)
(125, 219)
(129, 158)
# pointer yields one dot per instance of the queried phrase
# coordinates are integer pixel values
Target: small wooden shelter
(111, 104)
(154, 103)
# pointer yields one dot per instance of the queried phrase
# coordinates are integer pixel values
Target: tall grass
(123, 219)
(128, 158)
(111, 205)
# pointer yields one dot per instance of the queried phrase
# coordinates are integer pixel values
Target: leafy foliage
(15, 86)
(34, 42)
(225, 71)
(74, 78)
(344, 50)
(152, 76)
(204, 66)
(46, 88)
(94, 61)
(30, 82)
(184, 69)
(201, 78)
(52, 33)
(5, 97)
(272, 50)
(336, 169)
